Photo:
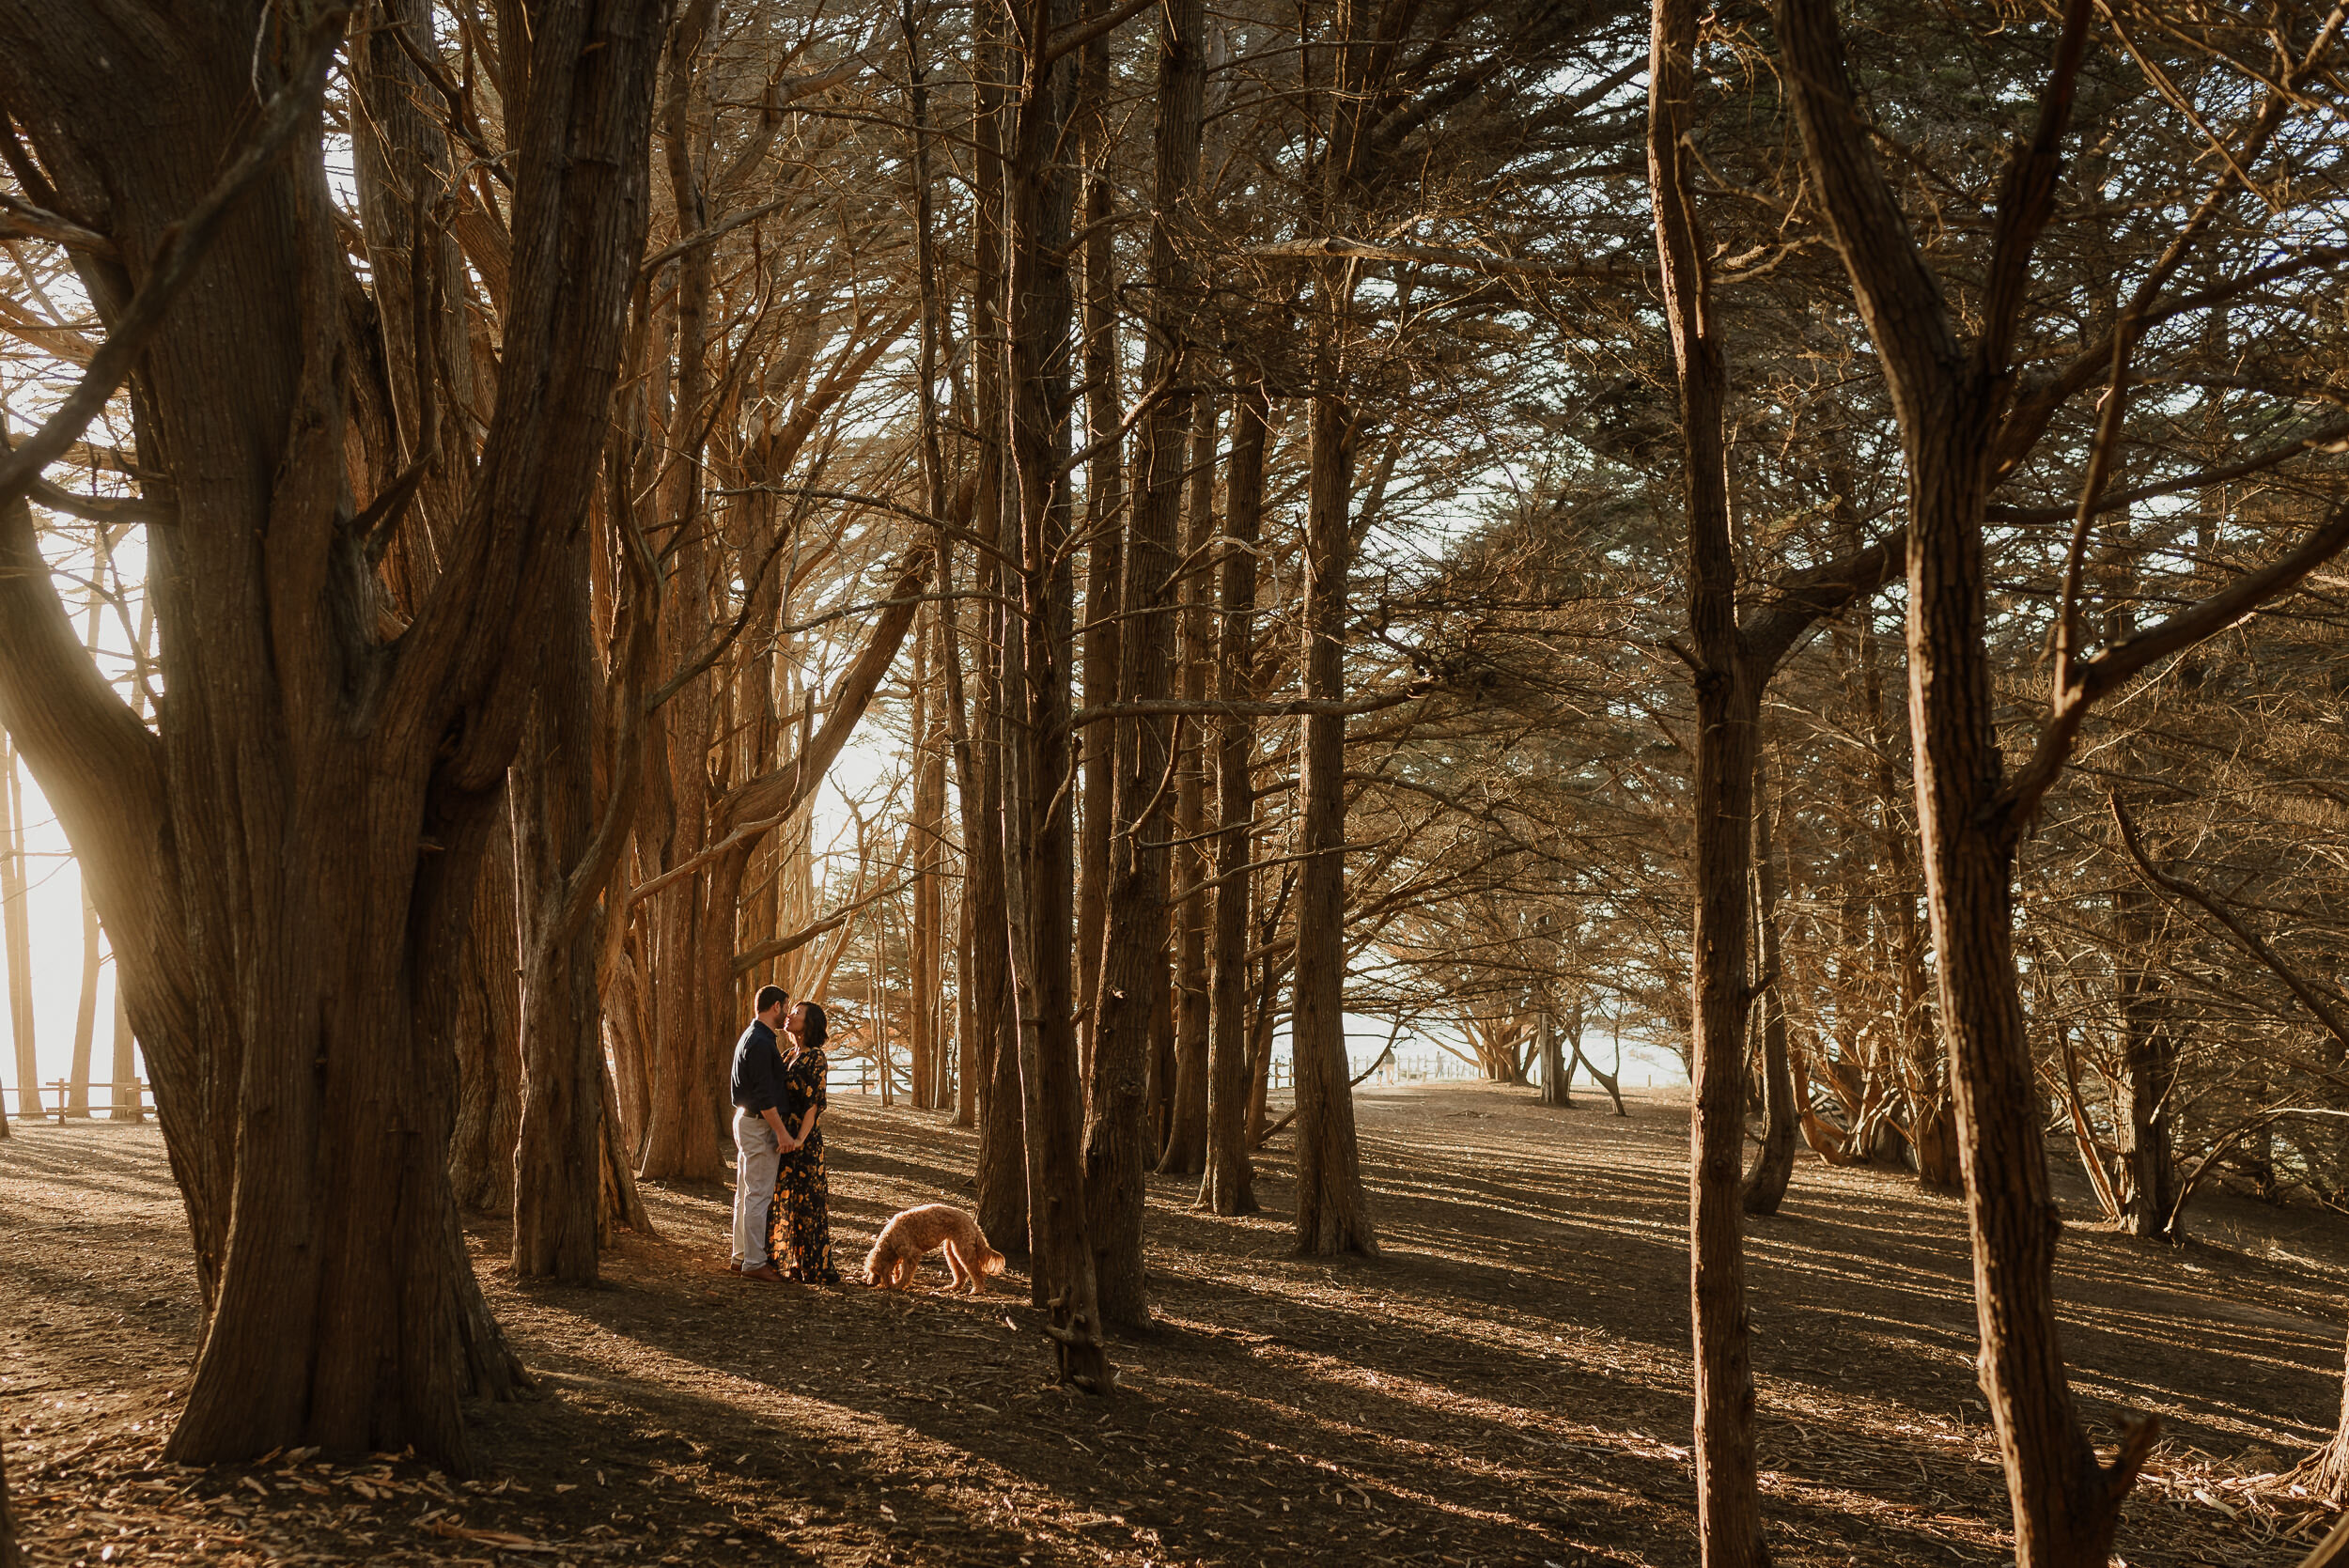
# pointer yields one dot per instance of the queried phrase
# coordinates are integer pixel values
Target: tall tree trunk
(683, 1136)
(561, 864)
(1950, 397)
(16, 930)
(86, 1012)
(1774, 1167)
(128, 1104)
(1133, 975)
(1729, 1509)
(1229, 1184)
(1186, 1151)
(1039, 841)
(1005, 1181)
(1332, 1209)
(1105, 535)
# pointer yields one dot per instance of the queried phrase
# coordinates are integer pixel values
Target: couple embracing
(782, 1222)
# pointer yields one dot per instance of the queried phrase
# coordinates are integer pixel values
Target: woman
(799, 1223)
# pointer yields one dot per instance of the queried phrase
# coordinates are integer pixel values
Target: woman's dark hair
(813, 1027)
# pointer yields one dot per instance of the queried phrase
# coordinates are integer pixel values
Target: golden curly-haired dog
(910, 1237)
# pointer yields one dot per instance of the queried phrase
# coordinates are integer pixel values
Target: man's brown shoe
(735, 1267)
(766, 1272)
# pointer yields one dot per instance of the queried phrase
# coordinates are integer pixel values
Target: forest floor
(1507, 1385)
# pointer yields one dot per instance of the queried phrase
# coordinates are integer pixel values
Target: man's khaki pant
(756, 1159)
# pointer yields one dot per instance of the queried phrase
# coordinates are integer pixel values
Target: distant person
(759, 1091)
(798, 1225)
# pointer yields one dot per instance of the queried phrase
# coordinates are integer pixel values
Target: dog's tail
(992, 1261)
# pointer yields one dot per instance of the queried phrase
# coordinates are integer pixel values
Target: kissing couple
(782, 1204)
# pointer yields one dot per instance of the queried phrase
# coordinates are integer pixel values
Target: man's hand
(774, 1120)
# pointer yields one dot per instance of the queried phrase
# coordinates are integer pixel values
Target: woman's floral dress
(799, 1223)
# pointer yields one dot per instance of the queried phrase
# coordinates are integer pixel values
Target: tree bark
(1949, 398)
(1039, 841)
(1728, 700)
(1004, 1177)
(1229, 1184)
(9, 1556)
(285, 862)
(16, 930)
(1105, 535)
(2149, 1197)
(480, 1016)
(1774, 1166)
(1185, 1150)
(1332, 1209)
(1118, 1147)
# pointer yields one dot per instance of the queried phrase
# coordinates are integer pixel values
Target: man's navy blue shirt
(757, 1069)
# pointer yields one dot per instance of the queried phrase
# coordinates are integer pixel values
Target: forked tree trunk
(1229, 1184)
(1728, 700)
(289, 861)
(1949, 398)
(1132, 995)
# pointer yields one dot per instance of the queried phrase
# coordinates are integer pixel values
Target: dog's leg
(956, 1266)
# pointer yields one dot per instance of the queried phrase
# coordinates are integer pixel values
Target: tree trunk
(9, 1556)
(1557, 1077)
(1949, 398)
(683, 1136)
(2326, 1471)
(85, 1013)
(1229, 1185)
(286, 861)
(1774, 1167)
(483, 1025)
(127, 1103)
(1133, 976)
(1105, 538)
(1039, 840)
(557, 1169)
(1186, 1151)
(2149, 1198)
(16, 930)
(1002, 1175)
(1728, 699)
(1333, 1210)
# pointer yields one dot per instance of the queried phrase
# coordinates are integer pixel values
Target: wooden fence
(61, 1091)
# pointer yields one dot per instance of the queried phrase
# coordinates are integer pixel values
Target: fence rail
(139, 1097)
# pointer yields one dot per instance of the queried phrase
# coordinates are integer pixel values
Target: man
(758, 1136)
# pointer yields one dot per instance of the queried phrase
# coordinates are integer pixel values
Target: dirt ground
(1507, 1385)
